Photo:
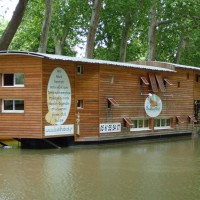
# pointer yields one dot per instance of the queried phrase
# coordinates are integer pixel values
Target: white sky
(7, 7)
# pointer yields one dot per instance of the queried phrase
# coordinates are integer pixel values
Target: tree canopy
(164, 30)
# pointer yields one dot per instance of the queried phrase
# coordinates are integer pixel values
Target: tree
(130, 11)
(154, 24)
(69, 22)
(45, 27)
(97, 5)
(13, 25)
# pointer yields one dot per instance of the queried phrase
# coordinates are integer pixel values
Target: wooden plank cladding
(46, 96)
(28, 123)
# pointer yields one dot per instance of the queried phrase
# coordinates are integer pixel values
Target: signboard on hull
(110, 128)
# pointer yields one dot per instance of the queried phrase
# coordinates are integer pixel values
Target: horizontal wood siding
(181, 103)
(126, 90)
(196, 78)
(87, 89)
(48, 67)
(27, 124)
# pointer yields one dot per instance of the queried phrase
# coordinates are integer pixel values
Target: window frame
(14, 105)
(14, 80)
(156, 127)
(138, 128)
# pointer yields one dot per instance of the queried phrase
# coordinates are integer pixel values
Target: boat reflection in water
(152, 169)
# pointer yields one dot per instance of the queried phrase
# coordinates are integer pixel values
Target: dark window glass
(80, 104)
(135, 124)
(8, 104)
(8, 80)
(79, 69)
(19, 105)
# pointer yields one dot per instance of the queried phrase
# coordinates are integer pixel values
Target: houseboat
(56, 100)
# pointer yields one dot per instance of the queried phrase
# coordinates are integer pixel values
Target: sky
(7, 7)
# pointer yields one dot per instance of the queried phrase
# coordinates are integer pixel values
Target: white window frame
(11, 111)
(156, 127)
(14, 81)
(140, 128)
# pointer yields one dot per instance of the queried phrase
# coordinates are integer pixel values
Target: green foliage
(70, 23)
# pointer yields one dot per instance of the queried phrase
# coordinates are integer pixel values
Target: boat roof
(96, 61)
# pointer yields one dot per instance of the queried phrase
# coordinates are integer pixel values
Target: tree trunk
(152, 34)
(179, 51)
(59, 43)
(93, 28)
(183, 44)
(124, 39)
(13, 25)
(58, 47)
(45, 27)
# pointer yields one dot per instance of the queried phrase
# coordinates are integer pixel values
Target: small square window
(8, 104)
(79, 69)
(13, 80)
(79, 103)
(19, 79)
(8, 79)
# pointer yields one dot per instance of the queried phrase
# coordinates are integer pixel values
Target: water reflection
(160, 169)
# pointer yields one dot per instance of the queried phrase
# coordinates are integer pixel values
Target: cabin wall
(123, 85)
(87, 91)
(182, 102)
(27, 124)
(196, 81)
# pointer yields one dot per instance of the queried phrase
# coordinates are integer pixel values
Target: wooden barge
(53, 98)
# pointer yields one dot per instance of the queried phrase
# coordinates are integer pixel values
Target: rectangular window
(79, 69)
(79, 103)
(13, 80)
(163, 123)
(140, 124)
(111, 79)
(12, 106)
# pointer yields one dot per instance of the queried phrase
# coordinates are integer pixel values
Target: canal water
(166, 169)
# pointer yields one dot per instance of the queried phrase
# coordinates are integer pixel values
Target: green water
(167, 169)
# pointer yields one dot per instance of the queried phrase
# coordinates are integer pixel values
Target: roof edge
(87, 60)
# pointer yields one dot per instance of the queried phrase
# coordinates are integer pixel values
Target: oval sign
(153, 105)
(58, 97)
